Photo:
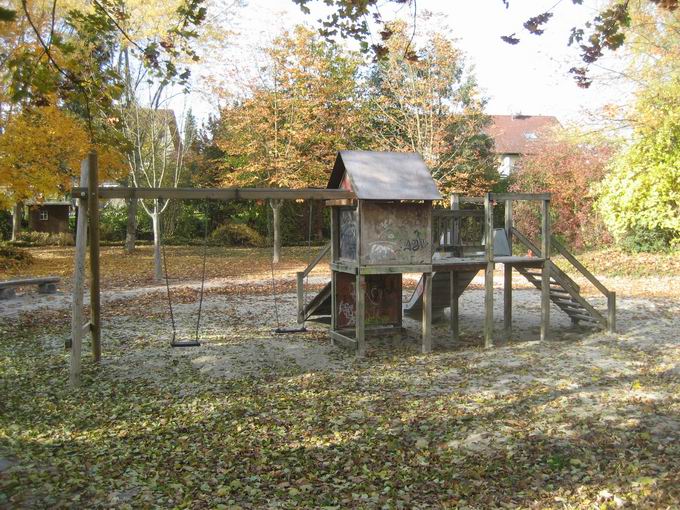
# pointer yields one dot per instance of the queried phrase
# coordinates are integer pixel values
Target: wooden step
(561, 301)
(561, 290)
(581, 317)
(561, 295)
(568, 307)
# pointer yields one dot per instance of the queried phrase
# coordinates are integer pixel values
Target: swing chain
(195, 342)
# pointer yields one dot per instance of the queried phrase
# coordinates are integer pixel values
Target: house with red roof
(518, 135)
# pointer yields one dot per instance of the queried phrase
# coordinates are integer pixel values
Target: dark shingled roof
(518, 134)
(385, 175)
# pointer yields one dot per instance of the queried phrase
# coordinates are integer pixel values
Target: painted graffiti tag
(416, 243)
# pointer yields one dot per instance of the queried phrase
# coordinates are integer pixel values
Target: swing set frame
(87, 197)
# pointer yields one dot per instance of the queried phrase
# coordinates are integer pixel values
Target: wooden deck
(467, 263)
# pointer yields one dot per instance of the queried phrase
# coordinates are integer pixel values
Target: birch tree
(155, 158)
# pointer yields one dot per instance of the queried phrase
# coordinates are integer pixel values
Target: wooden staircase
(565, 292)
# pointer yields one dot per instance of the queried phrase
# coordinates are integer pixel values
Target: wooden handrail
(457, 213)
(581, 268)
(570, 285)
(610, 320)
(301, 275)
(318, 258)
(527, 242)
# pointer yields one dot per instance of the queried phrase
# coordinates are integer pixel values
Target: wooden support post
(79, 280)
(334, 303)
(488, 273)
(360, 314)
(611, 312)
(334, 256)
(455, 226)
(507, 275)
(454, 324)
(545, 274)
(300, 296)
(95, 298)
(427, 313)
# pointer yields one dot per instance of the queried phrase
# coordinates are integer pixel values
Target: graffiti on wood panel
(382, 297)
(395, 233)
(348, 234)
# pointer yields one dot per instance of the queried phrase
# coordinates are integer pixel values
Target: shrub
(5, 225)
(643, 241)
(112, 223)
(640, 199)
(33, 238)
(44, 239)
(237, 234)
(12, 257)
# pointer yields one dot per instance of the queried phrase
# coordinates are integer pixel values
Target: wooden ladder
(564, 291)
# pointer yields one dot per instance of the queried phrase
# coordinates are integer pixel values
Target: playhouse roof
(384, 175)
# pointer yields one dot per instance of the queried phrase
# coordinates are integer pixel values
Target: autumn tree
(568, 165)
(640, 198)
(422, 99)
(294, 117)
(40, 154)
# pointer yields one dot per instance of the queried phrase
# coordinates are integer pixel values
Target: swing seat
(186, 343)
(183, 343)
(285, 331)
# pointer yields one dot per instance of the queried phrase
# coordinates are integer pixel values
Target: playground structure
(390, 228)
(383, 225)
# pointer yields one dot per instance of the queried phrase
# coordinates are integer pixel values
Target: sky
(530, 78)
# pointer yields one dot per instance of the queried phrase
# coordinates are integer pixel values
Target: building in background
(517, 135)
(49, 216)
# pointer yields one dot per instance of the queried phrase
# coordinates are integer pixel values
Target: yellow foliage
(40, 155)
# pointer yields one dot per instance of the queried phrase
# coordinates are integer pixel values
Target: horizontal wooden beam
(341, 203)
(343, 341)
(107, 193)
(519, 196)
(421, 268)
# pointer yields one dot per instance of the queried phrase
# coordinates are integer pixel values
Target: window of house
(43, 215)
(531, 136)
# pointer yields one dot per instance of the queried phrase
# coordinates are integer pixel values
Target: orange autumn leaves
(40, 155)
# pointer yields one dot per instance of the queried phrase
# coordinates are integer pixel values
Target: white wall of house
(507, 163)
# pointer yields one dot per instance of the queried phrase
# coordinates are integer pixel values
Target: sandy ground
(626, 382)
(237, 338)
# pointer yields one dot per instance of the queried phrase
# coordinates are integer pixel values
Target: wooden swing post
(93, 203)
(87, 204)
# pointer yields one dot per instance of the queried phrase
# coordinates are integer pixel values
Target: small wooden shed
(375, 238)
(49, 216)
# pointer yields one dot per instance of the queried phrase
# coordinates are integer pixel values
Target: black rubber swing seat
(187, 343)
(284, 331)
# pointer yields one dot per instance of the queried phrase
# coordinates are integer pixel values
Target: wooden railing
(301, 275)
(610, 295)
(446, 230)
(569, 284)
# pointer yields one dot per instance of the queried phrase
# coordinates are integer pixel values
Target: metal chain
(271, 237)
(167, 284)
(205, 256)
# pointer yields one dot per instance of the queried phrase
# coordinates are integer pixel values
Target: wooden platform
(469, 263)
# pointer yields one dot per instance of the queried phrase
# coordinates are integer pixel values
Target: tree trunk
(157, 262)
(131, 229)
(16, 220)
(276, 208)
